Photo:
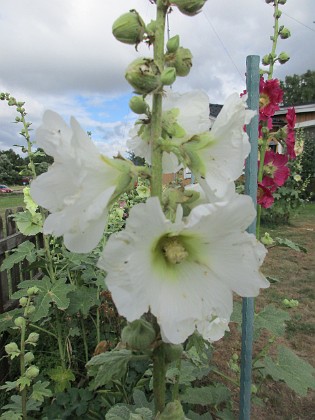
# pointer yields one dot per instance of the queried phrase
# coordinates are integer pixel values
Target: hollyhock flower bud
(138, 334)
(266, 239)
(12, 101)
(20, 322)
(129, 28)
(284, 33)
(23, 301)
(173, 44)
(269, 1)
(138, 105)
(189, 7)
(168, 76)
(277, 14)
(143, 75)
(282, 1)
(283, 57)
(266, 60)
(181, 60)
(28, 357)
(32, 338)
(32, 291)
(32, 372)
(11, 348)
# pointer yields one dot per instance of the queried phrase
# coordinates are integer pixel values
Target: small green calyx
(20, 322)
(173, 44)
(138, 105)
(32, 372)
(172, 352)
(32, 338)
(143, 75)
(168, 76)
(267, 59)
(138, 335)
(189, 7)
(129, 28)
(12, 348)
(173, 249)
(284, 33)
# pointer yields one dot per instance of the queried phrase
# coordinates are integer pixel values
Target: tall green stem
(22, 371)
(274, 39)
(159, 372)
(156, 120)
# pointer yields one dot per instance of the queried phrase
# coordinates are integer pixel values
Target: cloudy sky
(61, 55)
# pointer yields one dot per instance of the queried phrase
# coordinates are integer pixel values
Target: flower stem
(22, 371)
(159, 372)
(156, 120)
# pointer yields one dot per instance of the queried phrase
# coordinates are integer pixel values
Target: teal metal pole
(252, 83)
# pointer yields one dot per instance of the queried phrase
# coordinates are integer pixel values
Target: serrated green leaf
(108, 366)
(16, 404)
(82, 300)
(62, 377)
(140, 400)
(22, 252)
(290, 244)
(23, 382)
(29, 202)
(118, 412)
(9, 386)
(271, 319)
(207, 395)
(40, 391)
(11, 415)
(294, 371)
(29, 224)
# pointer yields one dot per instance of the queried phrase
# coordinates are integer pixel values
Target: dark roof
(215, 109)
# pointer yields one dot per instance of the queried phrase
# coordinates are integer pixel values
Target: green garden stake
(252, 82)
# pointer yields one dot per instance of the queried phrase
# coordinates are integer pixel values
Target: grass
(10, 201)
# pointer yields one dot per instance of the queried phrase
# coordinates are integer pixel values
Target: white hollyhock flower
(78, 186)
(217, 158)
(184, 272)
(193, 117)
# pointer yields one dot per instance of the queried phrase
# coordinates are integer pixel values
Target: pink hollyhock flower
(275, 168)
(290, 140)
(270, 97)
(264, 196)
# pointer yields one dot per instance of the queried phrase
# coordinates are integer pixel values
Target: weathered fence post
(252, 83)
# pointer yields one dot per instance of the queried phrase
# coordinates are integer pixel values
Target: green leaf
(48, 293)
(294, 371)
(23, 382)
(62, 377)
(29, 202)
(120, 412)
(271, 319)
(194, 416)
(9, 386)
(11, 415)
(207, 395)
(29, 224)
(108, 366)
(16, 404)
(272, 279)
(140, 400)
(25, 250)
(290, 244)
(40, 391)
(82, 299)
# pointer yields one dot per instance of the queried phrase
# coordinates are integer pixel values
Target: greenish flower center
(174, 251)
(269, 169)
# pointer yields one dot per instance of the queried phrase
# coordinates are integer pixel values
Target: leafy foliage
(299, 89)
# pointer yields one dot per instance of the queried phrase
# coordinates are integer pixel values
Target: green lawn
(10, 201)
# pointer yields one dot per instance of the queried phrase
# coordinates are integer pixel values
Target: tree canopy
(299, 89)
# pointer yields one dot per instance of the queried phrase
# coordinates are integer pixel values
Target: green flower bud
(32, 338)
(32, 372)
(20, 322)
(151, 28)
(28, 357)
(282, 1)
(189, 7)
(32, 291)
(172, 411)
(2, 96)
(172, 352)
(266, 59)
(138, 335)
(168, 76)
(12, 348)
(143, 75)
(138, 105)
(23, 301)
(283, 57)
(284, 33)
(129, 28)
(277, 14)
(173, 44)
(30, 310)
(12, 101)
(266, 239)
(181, 60)
(269, 1)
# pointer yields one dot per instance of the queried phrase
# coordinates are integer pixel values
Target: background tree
(299, 89)
(11, 164)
